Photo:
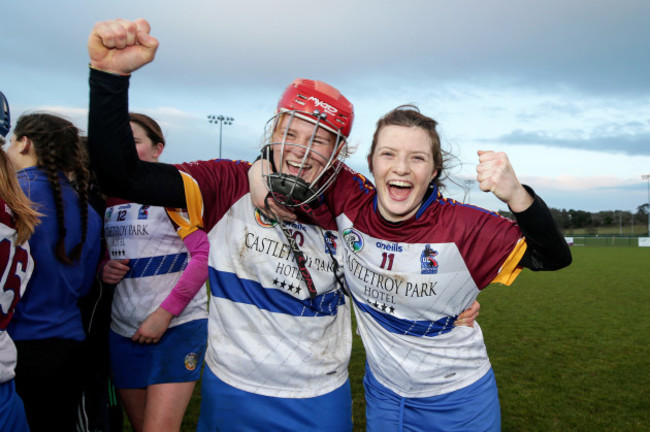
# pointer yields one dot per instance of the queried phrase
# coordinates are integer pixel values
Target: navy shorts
(177, 357)
(471, 409)
(227, 409)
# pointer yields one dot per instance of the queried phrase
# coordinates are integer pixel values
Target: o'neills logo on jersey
(353, 239)
(264, 221)
(428, 263)
(324, 105)
(390, 247)
(295, 226)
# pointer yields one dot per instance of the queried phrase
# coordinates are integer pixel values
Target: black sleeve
(547, 249)
(113, 156)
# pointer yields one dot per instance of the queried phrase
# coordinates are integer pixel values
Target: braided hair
(59, 149)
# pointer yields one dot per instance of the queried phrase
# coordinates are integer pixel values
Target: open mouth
(399, 190)
(296, 168)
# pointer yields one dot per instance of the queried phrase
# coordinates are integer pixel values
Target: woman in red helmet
(279, 337)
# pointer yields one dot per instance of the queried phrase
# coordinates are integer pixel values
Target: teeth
(297, 165)
(399, 183)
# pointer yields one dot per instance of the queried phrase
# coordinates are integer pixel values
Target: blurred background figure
(18, 220)
(47, 152)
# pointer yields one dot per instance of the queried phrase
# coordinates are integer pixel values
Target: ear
(158, 149)
(369, 158)
(25, 152)
(434, 175)
(23, 145)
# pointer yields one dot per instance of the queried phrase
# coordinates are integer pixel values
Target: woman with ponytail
(47, 152)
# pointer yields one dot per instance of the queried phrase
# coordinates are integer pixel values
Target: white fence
(608, 241)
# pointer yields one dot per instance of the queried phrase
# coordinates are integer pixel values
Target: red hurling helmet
(319, 102)
(313, 170)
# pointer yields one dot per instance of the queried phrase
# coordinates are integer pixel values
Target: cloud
(527, 76)
(580, 184)
(630, 144)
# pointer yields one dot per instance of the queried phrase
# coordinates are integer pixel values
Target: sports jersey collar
(432, 195)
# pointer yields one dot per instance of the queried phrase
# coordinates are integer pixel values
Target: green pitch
(570, 349)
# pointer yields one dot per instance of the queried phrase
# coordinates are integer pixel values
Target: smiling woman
(275, 350)
(403, 167)
(421, 369)
(308, 139)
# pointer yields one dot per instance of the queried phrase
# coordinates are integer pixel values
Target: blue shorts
(12, 410)
(178, 357)
(473, 408)
(227, 409)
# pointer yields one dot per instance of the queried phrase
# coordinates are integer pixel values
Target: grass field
(570, 349)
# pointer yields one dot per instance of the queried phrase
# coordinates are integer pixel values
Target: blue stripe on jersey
(435, 196)
(151, 266)
(409, 327)
(274, 300)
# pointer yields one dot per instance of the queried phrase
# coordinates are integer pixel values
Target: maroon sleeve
(222, 182)
(349, 187)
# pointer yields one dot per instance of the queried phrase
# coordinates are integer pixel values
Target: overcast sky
(562, 86)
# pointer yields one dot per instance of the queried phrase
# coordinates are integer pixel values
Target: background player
(159, 315)
(47, 325)
(18, 220)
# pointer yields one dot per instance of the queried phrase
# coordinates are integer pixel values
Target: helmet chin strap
(290, 191)
(298, 255)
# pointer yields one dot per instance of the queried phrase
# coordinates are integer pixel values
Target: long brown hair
(25, 216)
(59, 149)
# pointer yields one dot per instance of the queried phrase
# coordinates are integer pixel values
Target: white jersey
(411, 280)
(17, 265)
(266, 335)
(157, 257)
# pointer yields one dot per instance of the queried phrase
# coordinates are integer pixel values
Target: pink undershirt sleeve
(194, 276)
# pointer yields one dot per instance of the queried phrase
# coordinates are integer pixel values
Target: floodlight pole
(220, 119)
(647, 178)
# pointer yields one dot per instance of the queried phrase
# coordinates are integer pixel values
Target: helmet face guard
(326, 109)
(293, 190)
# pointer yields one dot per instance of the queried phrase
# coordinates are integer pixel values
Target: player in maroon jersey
(17, 222)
